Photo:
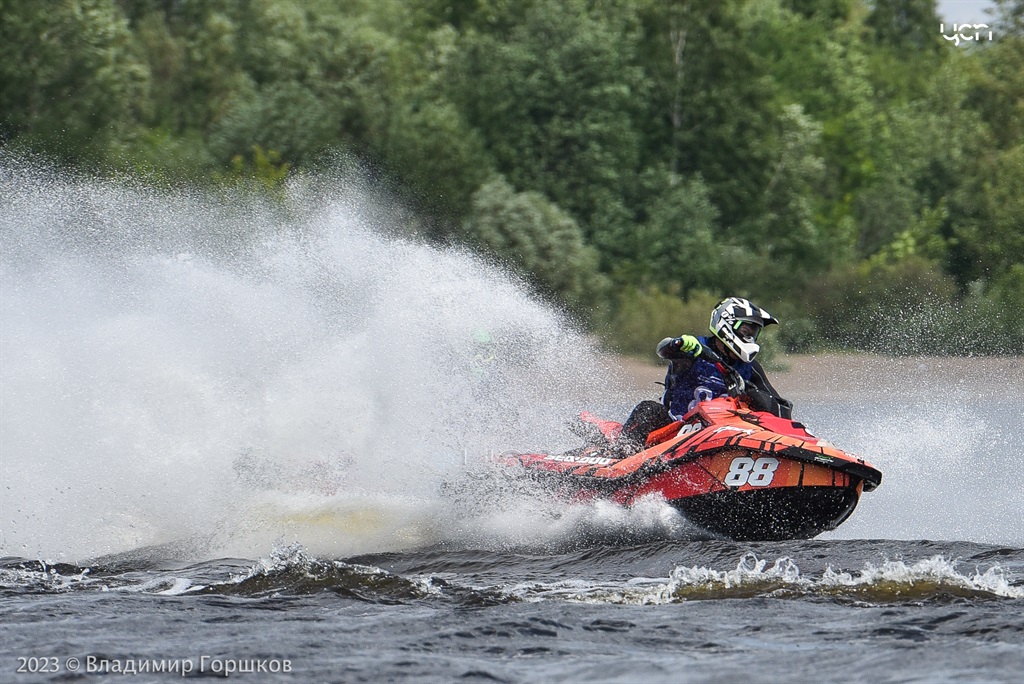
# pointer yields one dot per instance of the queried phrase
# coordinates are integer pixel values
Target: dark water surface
(668, 611)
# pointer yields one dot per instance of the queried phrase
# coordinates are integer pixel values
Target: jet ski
(734, 471)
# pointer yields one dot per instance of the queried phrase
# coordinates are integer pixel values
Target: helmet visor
(748, 331)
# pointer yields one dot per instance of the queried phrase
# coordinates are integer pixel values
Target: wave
(889, 581)
(474, 577)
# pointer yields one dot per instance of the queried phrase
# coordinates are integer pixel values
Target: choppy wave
(293, 571)
(894, 581)
(597, 576)
(19, 576)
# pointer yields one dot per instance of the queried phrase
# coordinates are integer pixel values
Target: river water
(229, 430)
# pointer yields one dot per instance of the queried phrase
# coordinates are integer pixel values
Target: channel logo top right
(966, 32)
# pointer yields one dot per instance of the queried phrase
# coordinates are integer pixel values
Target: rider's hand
(689, 345)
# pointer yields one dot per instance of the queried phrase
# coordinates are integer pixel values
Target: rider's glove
(689, 345)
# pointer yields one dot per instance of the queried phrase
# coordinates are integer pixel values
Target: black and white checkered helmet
(727, 319)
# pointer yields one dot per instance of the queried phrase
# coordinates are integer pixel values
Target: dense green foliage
(839, 161)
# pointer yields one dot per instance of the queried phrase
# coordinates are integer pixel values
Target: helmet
(728, 318)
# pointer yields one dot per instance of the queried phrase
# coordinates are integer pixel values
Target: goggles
(747, 331)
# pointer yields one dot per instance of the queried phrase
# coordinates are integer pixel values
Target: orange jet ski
(736, 472)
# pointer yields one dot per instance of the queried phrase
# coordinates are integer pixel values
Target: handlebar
(737, 385)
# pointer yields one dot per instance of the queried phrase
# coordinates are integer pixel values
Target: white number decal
(690, 428)
(745, 470)
(739, 471)
(764, 472)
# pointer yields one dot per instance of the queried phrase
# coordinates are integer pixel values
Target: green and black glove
(690, 345)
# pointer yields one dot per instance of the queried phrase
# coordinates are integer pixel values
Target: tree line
(841, 162)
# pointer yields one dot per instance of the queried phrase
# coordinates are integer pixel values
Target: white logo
(590, 460)
(730, 428)
(964, 32)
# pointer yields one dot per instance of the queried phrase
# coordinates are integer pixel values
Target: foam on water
(233, 371)
(753, 576)
(43, 578)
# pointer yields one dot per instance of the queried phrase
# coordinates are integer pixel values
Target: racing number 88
(756, 473)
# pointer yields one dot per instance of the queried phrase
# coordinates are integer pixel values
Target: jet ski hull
(772, 514)
(734, 472)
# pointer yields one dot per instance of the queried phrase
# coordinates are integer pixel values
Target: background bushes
(635, 160)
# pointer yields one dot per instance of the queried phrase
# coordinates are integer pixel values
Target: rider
(736, 324)
(692, 377)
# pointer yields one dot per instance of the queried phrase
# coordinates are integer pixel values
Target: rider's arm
(685, 347)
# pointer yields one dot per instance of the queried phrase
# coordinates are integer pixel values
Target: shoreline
(861, 376)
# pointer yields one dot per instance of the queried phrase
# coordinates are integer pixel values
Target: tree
(710, 106)
(428, 143)
(905, 24)
(554, 101)
(70, 79)
(676, 247)
(535, 236)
